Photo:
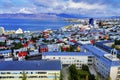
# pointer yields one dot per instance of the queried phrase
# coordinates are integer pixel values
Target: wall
(32, 75)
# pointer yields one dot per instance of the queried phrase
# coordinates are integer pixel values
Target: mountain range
(46, 16)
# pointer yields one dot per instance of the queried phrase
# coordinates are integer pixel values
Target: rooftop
(5, 51)
(112, 57)
(31, 65)
(67, 54)
(95, 50)
(100, 53)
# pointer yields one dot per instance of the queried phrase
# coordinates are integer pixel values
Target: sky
(76, 7)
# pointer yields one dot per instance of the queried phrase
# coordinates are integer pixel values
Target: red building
(23, 53)
(43, 48)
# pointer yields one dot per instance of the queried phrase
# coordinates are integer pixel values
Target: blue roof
(67, 54)
(95, 50)
(98, 52)
(31, 65)
(5, 51)
(104, 47)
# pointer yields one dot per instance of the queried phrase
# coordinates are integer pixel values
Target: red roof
(92, 41)
(2, 47)
(73, 41)
(25, 45)
(21, 54)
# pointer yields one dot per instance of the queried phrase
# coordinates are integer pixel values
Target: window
(89, 60)
(41, 72)
(59, 57)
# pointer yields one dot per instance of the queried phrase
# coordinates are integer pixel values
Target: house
(31, 47)
(43, 48)
(34, 70)
(22, 53)
(3, 39)
(53, 47)
(35, 52)
(6, 53)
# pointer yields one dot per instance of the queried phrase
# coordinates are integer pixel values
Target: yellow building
(32, 70)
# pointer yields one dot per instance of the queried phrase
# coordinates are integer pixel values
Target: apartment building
(68, 58)
(107, 64)
(34, 70)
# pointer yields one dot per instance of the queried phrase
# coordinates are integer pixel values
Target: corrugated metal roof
(30, 65)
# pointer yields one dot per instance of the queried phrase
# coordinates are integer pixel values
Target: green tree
(73, 72)
(61, 76)
(24, 76)
(97, 77)
(108, 77)
(71, 49)
(17, 45)
(55, 76)
(85, 68)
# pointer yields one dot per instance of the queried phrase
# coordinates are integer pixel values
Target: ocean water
(32, 24)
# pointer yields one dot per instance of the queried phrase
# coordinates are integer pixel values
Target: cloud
(77, 7)
(25, 10)
(84, 5)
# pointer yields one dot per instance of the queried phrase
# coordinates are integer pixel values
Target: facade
(68, 58)
(6, 53)
(105, 63)
(34, 70)
(53, 47)
(43, 48)
(2, 30)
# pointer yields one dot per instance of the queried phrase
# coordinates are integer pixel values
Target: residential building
(34, 70)
(5, 53)
(105, 63)
(68, 58)
(43, 48)
(53, 47)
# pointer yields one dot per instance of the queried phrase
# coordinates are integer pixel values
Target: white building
(53, 47)
(34, 70)
(68, 58)
(105, 63)
(19, 31)
(2, 30)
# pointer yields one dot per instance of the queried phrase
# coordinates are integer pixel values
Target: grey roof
(30, 65)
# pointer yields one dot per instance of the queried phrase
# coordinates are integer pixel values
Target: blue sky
(76, 7)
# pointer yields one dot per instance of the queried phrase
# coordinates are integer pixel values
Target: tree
(24, 76)
(85, 68)
(97, 77)
(61, 76)
(55, 76)
(108, 77)
(73, 72)
(17, 45)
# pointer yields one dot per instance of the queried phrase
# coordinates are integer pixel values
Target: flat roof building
(68, 58)
(34, 70)
(105, 63)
